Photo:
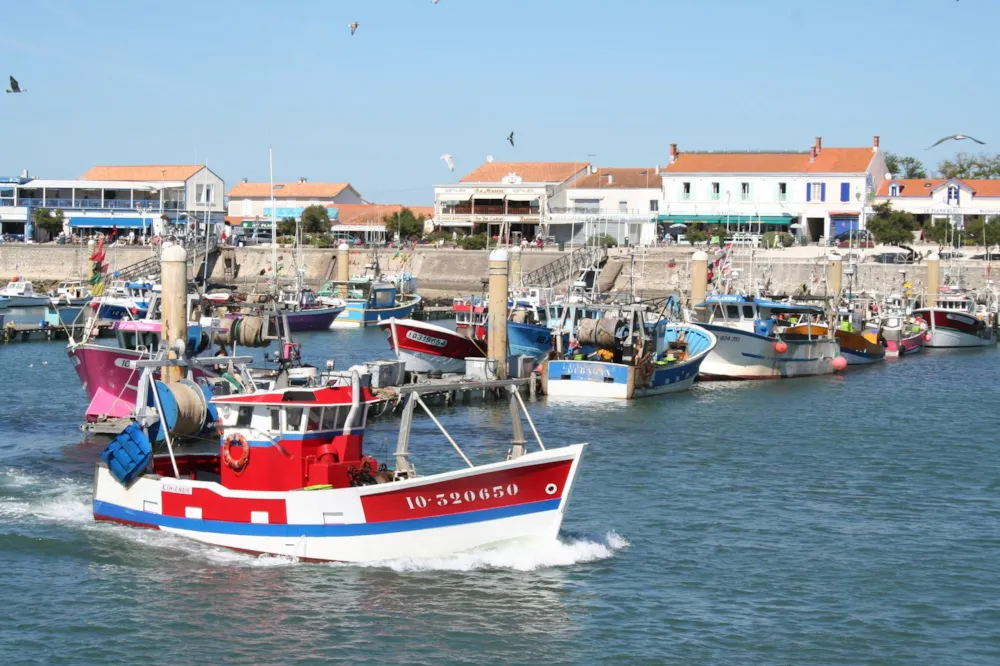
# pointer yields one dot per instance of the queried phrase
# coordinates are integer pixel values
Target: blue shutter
(809, 192)
(845, 191)
(822, 192)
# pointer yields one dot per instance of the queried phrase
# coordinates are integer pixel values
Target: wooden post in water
(699, 279)
(515, 265)
(933, 279)
(497, 340)
(173, 305)
(834, 277)
(343, 268)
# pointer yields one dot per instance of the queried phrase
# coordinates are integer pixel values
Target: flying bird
(957, 137)
(353, 27)
(447, 160)
(511, 138)
(15, 87)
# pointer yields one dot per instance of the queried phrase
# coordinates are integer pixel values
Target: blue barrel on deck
(128, 454)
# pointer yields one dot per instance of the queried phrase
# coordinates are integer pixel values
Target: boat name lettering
(589, 370)
(426, 339)
(464, 497)
(728, 338)
(174, 488)
(124, 363)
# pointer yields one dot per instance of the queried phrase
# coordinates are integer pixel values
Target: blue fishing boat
(368, 303)
(633, 358)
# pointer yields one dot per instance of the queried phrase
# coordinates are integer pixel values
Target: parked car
(855, 238)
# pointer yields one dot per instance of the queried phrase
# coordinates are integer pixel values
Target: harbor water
(848, 519)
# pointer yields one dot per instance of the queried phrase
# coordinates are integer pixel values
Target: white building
(930, 199)
(823, 190)
(505, 198)
(126, 197)
(621, 202)
(250, 202)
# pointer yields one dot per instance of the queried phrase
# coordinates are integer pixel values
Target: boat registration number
(466, 497)
(426, 339)
(174, 488)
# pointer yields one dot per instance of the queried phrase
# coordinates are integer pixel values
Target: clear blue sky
(125, 82)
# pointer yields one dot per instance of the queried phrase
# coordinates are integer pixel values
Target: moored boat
(902, 335)
(953, 321)
(21, 294)
(426, 347)
(70, 293)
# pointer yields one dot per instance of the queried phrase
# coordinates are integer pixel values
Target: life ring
(227, 456)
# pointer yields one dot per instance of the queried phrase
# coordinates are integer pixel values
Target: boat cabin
(758, 316)
(956, 303)
(143, 335)
(18, 287)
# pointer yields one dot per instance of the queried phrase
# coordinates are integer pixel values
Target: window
(745, 191)
(654, 206)
(204, 194)
(894, 190)
(685, 191)
(748, 312)
(782, 191)
(845, 192)
(732, 312)
(714, 191)
(953, 194)
(247, 207)
(587, 205)
(313, 417)
(244, 417)
(293, 419)
(622, 206)
(816, 192)
(275, 418)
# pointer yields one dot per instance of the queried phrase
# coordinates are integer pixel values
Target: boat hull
(950, 329)
(904, 346)
(859, 350)
(742, 355)
(428, 516)
(28, 301)
(529, 340)
(429, 348)
(313, 319)
(356, 315)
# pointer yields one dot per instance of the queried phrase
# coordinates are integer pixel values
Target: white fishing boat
(752, 343)
(70, 292)
(22, 294)
(955, 321)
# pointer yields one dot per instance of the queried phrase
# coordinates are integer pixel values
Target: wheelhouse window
(244, 417)
(732, 312)
(748, 312)
(275, 418)
(293, 419)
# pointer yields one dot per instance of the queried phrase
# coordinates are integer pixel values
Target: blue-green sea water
(850, 519)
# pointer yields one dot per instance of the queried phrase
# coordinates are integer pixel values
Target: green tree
(891, 227)
(904, 166)
(604, 240)
(404, 223)
(472, 242)
(977, 229)
(315, 219)
(937, 231)
(966, 166)
(286, 226)
(50, 222)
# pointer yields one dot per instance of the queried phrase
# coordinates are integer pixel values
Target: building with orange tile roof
(621, 202)
(935, 198)
(252, 201)
(817, 193)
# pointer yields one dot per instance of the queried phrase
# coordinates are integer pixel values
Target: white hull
(742, 355)
(421, 362)
(28, 301)
(568, 388)
(944, 338)
(340, 524)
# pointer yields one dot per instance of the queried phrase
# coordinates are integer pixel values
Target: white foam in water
(50, 500)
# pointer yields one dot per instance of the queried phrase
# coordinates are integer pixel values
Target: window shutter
(822, 191)
(809, 191)
(845, 191)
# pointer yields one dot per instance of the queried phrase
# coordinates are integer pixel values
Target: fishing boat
(956, 321)
(752, 342)
(125, 300)
(368, 303)
(305, 312)
(22, 294)
(428, 348)
(902, 335)
(632, 358)
(283, 471)
(857, 347)
(471, 315)
(70, 293)
(4, 302)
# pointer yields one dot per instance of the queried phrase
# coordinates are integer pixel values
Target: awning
(483, 195)
(109, 222)
(454, 197)
(778, 220)
(523, 197)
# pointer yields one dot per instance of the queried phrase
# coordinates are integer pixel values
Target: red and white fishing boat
(286, 475)
(902, 335)
(471, 316)
(956, 321)
(425, 347)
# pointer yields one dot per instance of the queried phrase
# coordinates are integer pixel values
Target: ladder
(565, 267)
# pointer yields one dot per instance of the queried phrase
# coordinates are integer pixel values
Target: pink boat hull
(906, 346)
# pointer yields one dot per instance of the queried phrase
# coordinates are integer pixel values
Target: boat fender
(780, 347)
(839, 363)
(927, 337)
(237, 465)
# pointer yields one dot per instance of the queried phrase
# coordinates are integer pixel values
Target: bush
(774, 238)
(438, 236)
(720, 232)
(476, 242)
(696, 235)
(604, 240)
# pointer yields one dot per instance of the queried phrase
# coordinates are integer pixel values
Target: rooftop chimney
(611, 178)
(673, 152)
(24, 174)
(246, 180)
(875, 144)
(812, 154)
(303, 179)
(819, 145)
(657, 169)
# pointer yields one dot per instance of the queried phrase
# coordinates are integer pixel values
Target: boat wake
(28, 497)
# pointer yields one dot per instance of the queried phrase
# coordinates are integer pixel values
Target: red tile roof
(530, 172)
(149, 172)
(922, 187)
(288, 190)
(621, 177)
(374, 213)
(829, 160)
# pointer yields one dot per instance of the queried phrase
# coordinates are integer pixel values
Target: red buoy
(780, 347)
(839, 363)
(927, 337)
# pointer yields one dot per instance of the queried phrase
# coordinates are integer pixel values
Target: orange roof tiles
(621, 177)
(923, 187)
(288, 190)
(530, 172)
(149, 172)
(375, 213)
(829, 160)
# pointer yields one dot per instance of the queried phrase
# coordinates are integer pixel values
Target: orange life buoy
(236, 465)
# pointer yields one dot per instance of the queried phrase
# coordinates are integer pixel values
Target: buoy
(780, 347)
(927, 337)
(839, 363)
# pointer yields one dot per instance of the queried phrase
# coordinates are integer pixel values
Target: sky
(612, 82)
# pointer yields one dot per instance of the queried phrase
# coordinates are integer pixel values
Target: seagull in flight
(353, 27)
(957, 137)
(14, 86)
(511, 139)
(447, 160)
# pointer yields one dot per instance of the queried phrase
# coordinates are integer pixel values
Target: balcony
(94, 204)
